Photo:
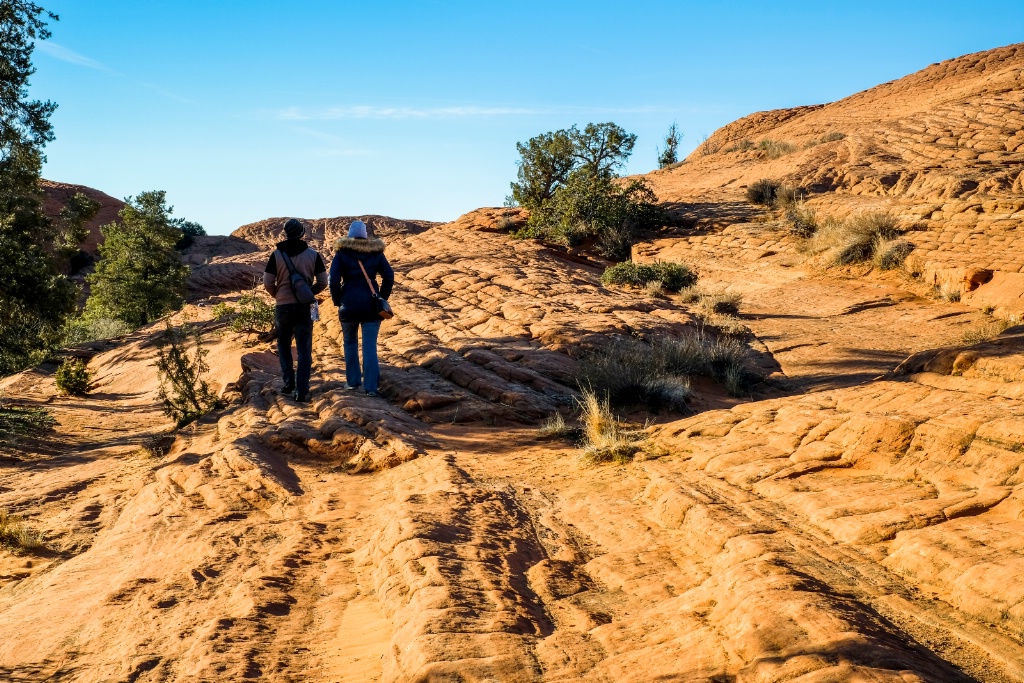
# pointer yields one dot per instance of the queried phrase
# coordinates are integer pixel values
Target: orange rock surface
(858, 517)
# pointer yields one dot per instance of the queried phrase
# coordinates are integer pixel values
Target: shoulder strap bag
(383, 307)
(300, 285)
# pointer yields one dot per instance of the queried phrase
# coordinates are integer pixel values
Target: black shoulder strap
(287, 261)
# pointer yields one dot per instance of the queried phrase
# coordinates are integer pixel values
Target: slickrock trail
(860, 517)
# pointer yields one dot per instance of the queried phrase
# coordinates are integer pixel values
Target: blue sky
(246, 110)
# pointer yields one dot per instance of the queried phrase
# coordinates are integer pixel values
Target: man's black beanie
(293, 229)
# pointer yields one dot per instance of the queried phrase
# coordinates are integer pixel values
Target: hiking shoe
(301, 398)
(288, 388)
(371, 393)
(352, 387)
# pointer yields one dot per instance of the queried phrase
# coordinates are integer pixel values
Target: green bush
(763, 191)
(85, 328)
(673, 276)
(185, 394)
(254, 315)
(222, 310)
(72, 377)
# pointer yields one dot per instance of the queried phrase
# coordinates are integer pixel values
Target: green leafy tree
(670, 155)
(544, 165)
(601, 149)
(140, 276)
(35, 297)
(189, 230)
(569, 181)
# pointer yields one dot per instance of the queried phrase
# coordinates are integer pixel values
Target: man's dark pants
(292, 320)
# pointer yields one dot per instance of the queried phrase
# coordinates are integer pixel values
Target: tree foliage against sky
(568, 181)
(35, 297)
(670, 155)
(140, 276)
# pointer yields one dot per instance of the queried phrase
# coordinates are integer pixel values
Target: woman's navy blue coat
(349, 290)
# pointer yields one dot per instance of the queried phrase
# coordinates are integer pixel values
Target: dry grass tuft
(948, 292)
(774, 149)
(721, 302)
(988, 330)
(891, 254)
(556, 427)
(604, 439)
(16, 535)
(853, 240)
(803, 222)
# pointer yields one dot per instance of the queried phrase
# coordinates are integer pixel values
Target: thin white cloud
(467, 111)
(66, 54)
(370, 112)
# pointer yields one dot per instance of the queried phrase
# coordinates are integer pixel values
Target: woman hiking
(356, 301)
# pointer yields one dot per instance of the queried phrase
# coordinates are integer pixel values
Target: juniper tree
(670, 155)
(568, 181)
(140, 276)
(35, 297)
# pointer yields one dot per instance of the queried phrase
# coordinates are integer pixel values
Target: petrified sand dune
(862, 519)
(56, 196)
(942, 148)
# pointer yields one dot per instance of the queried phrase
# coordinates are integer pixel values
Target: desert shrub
(628, 372)
(17, 535)
(786, 197)
(774, 149)
(802, 220)
(763, 191)
(891, 254)
(988, 330)
(86, 328)
(72, 377)
(690, 295)
(16, 421)
(185, 394)
(832, 136)
(254, 315)
(721, 302)
(222, 310)
(853, 240)
(673, 276)
(744, 145)
(157, 446)
(604, 439)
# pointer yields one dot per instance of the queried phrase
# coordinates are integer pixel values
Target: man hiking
(292, 317)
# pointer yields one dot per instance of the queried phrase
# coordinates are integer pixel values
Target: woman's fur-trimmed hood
(370, 246)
